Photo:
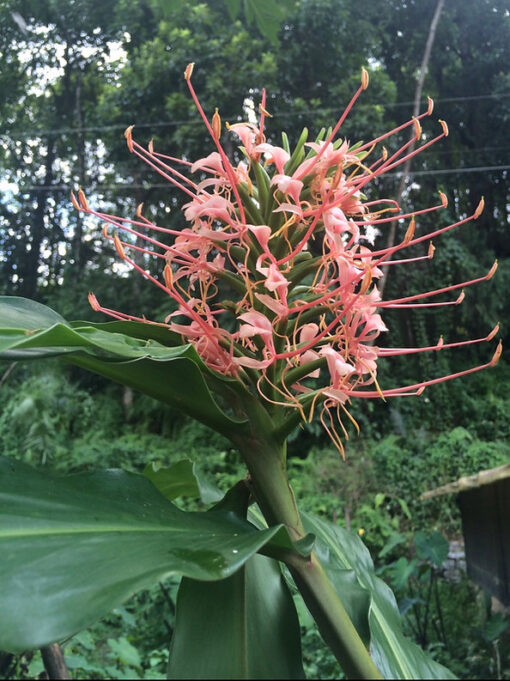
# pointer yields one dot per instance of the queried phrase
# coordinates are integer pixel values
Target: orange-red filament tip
(167, 274)
(479, 209)
(216, 125)
(445, 128)
(497, 354)
(94, 304)
(494, 331)
(129, 137)
(417, 128)
(119, 247)
(264, 111)
(364, 78)
(75, 202)
(83, 201)
(492, 270)
(189, 71)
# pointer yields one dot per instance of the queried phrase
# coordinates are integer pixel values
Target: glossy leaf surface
(75, 547)
(395, 656)
(243, 627)
(181, 480)
(133, 357)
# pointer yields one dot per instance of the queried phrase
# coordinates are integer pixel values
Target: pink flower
(280, 295)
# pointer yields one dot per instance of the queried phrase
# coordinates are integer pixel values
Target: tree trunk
(54, 662)
(416, 110)
(38, 227)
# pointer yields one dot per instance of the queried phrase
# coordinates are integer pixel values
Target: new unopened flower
(272, 275)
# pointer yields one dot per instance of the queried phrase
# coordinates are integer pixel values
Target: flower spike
(273, 275)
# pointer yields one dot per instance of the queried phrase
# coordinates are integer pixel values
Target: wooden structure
(484, 501)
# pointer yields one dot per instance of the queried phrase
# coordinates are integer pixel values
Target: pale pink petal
(252, 363)
(287, 185)
(278, 156)
(274, 305)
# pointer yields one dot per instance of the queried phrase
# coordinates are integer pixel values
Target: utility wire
(66, 187)
(197, 121)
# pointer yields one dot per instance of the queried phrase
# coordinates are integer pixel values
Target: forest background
(73, 76)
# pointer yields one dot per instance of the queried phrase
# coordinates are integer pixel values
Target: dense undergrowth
(59, 418)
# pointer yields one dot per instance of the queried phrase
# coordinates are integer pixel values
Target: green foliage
(101, 537)
(431, 594)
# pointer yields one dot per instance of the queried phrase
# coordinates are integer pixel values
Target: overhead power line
(197, 121)
(125, 186)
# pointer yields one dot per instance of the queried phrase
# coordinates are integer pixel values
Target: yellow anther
(83, 201)
(444, 199)
(168, 276)
(445, 127)
(129, 137)
(417, 128)
(189, 70)
(492, 270)
(364, 78)
(216, 124)
(479, 209)
(431, 106)
(494, 331)
(497, 355)
(264, 111)
(431, 251)
(118, 247)
(93, 302)
(75, 202)
(139, 209)
(410, 231)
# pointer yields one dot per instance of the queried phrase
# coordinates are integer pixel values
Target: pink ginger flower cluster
(274, 277)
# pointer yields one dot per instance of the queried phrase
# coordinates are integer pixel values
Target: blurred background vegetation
(73, 75)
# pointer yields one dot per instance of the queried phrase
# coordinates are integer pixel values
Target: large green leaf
(122, 351)
(395, 656)
(433, 547)
(249, 613)
(74, 547)
(181, 479)
(243, 627)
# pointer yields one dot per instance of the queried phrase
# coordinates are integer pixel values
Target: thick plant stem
(266, 462)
